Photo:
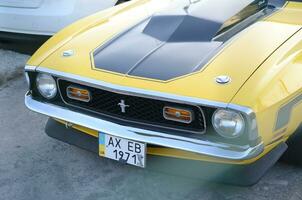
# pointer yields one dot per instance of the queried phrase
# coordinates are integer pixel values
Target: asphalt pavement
(34, 166)
(11, 65)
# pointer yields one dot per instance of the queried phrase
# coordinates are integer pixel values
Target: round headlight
(228, 124)
(46, 85)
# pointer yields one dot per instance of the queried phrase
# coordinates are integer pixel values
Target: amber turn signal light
(79, 94)
(178, 114)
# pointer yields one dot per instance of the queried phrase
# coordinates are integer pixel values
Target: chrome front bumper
(225, 151)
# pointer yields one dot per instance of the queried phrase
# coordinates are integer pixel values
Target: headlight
(228, 124)
(46, 85)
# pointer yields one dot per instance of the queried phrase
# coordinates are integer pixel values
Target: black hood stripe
(172, 43)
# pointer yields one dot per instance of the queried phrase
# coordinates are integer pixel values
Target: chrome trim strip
(27, 79)
(30, 68)
(133, 91)
(251, 122)
(219, 150)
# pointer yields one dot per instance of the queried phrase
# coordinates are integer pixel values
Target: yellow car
(209, 89)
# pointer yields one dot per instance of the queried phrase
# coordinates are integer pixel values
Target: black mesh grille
(140, 110)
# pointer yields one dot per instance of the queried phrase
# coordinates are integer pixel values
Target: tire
(293, 155)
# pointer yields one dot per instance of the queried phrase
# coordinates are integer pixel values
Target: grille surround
(124, 95)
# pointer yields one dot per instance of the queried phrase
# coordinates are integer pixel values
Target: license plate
(122, 150)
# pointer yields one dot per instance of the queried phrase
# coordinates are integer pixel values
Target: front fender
(274, 92)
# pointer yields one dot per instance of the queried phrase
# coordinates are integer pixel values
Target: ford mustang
(209, 89)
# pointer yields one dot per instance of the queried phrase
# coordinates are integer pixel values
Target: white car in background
(44, 17)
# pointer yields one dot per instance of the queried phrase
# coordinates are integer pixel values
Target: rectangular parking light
(77, 93)
(177, 114)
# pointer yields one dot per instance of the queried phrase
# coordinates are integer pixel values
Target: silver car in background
(45, 17)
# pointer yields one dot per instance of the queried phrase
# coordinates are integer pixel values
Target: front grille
(141, 110)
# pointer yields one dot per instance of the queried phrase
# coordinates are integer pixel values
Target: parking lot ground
(34, 166)
(11, 65)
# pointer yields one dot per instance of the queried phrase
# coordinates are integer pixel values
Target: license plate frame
(133, 152)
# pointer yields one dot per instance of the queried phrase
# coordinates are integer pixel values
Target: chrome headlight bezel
(231, 118)
(50, 89)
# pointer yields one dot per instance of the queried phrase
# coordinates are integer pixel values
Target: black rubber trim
(71, 136)
(243, 175)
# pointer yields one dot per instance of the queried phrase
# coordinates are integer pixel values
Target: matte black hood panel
(172, 43)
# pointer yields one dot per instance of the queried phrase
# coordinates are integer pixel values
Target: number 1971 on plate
(122, 150)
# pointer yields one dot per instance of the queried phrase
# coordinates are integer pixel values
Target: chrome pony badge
(68, 53)
(123, 106)
(223, 79)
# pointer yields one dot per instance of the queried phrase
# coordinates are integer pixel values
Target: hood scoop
(199, 21)
(175, 42)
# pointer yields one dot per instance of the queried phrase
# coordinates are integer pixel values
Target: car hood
(174, 42)
(148, 46)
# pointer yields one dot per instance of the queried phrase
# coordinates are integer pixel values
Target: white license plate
(122, 150)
